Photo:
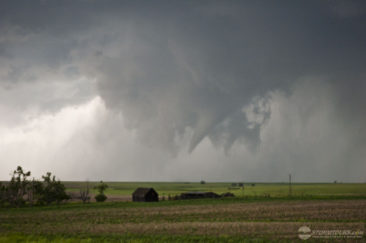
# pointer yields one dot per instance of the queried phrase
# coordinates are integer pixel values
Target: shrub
(53, 191)
(100, 197)
(35, 192)
(101, 188)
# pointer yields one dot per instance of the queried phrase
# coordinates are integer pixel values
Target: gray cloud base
(182, 72)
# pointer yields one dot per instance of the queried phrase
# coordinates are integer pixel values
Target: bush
(101, 188)
(100, 197)
(35, 192)
(53, 191)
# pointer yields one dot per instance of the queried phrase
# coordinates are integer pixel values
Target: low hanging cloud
(201, 70)
(230, 75)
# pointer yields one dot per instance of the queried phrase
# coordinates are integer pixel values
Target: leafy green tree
(101, 187)
(53, 191)
(36, 192)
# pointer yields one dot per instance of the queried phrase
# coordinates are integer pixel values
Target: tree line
(21, 191)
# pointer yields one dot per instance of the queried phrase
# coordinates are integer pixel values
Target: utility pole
(289, 185)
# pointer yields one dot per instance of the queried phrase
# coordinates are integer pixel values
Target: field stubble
(264, 219)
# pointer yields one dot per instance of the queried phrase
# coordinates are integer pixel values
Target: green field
(251, 216)
(249, 190)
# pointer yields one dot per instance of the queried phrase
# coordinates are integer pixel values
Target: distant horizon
(198, 182)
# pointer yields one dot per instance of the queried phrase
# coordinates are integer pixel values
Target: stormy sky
(184, 90)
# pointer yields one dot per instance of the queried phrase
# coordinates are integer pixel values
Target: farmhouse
(196, 195)
(143, 194)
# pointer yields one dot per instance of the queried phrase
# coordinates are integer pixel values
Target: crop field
(276, 190)
(250, 216)
(250, 189)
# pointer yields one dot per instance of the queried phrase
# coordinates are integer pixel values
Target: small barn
(143, 194)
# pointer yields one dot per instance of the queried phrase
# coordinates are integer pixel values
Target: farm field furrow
(266, 219)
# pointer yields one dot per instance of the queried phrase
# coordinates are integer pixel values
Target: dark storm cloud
(183, 71)
(198, 66)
